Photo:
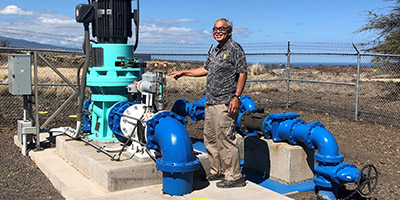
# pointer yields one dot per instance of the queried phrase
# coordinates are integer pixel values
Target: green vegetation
(5, 43)
(387, 26)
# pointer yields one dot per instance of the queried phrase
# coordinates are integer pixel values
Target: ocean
(308, 64)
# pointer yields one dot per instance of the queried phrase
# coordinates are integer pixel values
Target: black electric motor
(111, 19)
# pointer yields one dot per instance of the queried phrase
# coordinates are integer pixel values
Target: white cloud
(150, 33)
(167, 22)
(55, 21)
(61, 30)
(48, 28)
(14, 10)
(241, 31)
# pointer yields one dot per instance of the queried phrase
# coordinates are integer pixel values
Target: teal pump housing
(108, 85)
(113, 66)
(123, 97)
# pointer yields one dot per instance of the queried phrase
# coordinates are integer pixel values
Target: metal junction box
(19, 74)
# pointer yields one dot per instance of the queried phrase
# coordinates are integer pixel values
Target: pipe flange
(328, 158)
(309, 129)
(115, 115)
(193, 112)
(267, 127)
(312, 125)
(172, 167)
(293, 125)
(151, 123)
(321, 181)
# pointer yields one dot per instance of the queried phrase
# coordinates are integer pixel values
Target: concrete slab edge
(65, 178)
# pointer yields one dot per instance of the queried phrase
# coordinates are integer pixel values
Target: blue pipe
(313, 135)
(329, 174)
(195, 110)
(246, 104)
(86, 113)
(166, 133)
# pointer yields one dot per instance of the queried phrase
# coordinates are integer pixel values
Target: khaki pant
(220, 141)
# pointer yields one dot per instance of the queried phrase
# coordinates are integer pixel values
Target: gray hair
(229, 23)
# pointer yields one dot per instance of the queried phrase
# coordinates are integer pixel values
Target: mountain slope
(36, 45)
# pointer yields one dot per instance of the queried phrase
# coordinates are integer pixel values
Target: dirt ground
(361, 143)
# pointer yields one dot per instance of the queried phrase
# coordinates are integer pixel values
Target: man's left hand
(234, 105)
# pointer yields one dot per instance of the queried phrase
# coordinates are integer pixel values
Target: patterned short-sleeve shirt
(223, 66)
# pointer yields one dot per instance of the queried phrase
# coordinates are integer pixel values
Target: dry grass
(45, 75)
(378, 84)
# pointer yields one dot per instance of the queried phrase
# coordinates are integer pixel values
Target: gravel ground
(361, 143)
(20, 178)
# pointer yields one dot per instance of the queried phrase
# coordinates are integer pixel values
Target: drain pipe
(167, 134)
(82, 85)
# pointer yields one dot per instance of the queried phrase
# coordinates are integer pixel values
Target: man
(226, 76)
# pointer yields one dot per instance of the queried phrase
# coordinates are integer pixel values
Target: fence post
(357, 82)
(288, 75)
(36, 101)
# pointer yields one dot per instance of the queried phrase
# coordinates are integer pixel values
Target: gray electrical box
(19, 74)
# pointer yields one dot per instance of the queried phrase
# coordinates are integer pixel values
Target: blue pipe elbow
(195, 110)
(326, 144)
(313, 135)
(166, 133)
(247, 104)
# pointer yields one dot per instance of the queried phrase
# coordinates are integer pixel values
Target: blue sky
(179, 21)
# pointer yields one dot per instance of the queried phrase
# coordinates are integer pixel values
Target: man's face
(221, 32)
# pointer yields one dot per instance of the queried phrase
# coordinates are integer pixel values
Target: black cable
(151, 156)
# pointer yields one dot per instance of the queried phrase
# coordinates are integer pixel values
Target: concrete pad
(111, 175)
(74, 185)
(288, 164)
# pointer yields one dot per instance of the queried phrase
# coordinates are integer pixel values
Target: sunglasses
(222, 29)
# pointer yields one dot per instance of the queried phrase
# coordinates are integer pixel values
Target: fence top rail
(383, 55)
(276, 54)
(323, 53)
(205, 54)
(41, 50)
(173, 54)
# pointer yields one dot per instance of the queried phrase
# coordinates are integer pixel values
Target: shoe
(241, 182)
(214, 177)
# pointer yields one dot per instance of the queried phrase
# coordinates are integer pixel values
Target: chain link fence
(57, 83)
(280, 75)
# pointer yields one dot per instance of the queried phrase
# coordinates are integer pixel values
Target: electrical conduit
(82, 85)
